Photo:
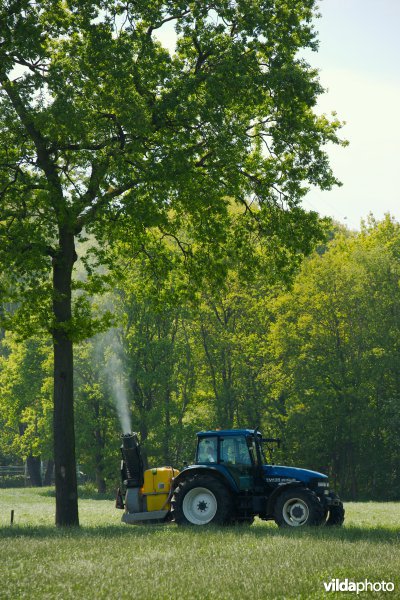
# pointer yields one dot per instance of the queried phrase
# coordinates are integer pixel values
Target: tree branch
(185, 251)
(202, 56)
(166, 20)
(43, 155)
(80, 147)
(91, 211)
(34, 67)
(121, 133)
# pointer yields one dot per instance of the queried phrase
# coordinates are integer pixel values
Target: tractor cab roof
(226, 432)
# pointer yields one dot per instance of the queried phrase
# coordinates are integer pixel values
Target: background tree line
(315, 361)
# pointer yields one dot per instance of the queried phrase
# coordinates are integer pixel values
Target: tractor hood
(277, 473)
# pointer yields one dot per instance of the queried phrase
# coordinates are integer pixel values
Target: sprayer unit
(147, 493)
(132, 463)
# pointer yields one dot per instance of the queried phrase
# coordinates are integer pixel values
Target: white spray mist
(110, 350)
(116, 381)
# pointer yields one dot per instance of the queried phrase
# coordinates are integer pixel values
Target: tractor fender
(278, 491)
(224, 476)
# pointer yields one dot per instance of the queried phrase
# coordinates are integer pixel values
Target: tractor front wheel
(336, 514)
(298, 508)
(200, 500)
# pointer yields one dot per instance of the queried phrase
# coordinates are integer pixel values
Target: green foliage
(25, 397)
(12, 481)
(335, 343)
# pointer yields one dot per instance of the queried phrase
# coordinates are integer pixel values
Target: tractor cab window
(207, 450)
(234, 451)
(235, 456)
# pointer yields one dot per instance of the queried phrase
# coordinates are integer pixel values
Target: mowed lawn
(105, 559)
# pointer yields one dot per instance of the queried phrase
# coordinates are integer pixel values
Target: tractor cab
(238, 452)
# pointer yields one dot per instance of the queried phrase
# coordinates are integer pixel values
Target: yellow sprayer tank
(157, 486)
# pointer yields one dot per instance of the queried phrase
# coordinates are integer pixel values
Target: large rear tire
(298, 507)
(200, 500)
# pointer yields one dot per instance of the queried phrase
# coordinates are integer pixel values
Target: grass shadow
(47, 493)
(83, 494)
(345, 534)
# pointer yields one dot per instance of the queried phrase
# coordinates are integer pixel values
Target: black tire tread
(220, 491)
(317, 513)
(336, 516)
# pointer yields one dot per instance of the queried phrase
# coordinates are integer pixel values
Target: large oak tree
(100, 123)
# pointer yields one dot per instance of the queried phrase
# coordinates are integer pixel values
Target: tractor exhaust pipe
(132, 463)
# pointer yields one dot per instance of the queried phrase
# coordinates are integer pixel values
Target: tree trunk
(100, 481)
(48, 476)
(167, 429)
(33, 464)
(99, 456)
(63, 421)
(143, 437)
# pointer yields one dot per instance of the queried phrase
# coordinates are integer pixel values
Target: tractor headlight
(323, 484)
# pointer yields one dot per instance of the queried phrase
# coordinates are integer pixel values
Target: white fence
(13, 470)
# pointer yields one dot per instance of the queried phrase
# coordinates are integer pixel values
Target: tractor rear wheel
(200, 500)
(298, 508)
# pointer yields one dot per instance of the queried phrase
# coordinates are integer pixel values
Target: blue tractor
(231, 482)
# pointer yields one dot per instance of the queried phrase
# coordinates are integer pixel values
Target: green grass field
(105, 559)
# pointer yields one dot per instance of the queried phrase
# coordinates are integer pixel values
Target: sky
(359, 63)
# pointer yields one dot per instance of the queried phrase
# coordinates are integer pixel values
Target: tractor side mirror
(277, 441)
